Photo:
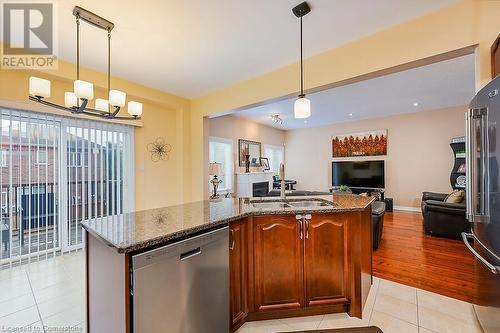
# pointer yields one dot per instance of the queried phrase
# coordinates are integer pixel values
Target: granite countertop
(140, 230)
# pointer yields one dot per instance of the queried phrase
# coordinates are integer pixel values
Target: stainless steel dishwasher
(183, 287)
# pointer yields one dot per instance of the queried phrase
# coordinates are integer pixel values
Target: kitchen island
(297, 257)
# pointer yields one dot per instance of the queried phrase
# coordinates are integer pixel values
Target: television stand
(376, 192)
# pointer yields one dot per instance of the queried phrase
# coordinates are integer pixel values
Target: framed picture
(264, 163)
(247, 147)
(371, 143)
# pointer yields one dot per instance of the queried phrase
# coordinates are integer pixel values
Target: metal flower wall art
(159, 150)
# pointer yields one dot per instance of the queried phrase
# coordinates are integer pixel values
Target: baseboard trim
(407, 208)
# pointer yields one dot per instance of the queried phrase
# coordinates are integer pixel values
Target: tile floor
(45, 296)
(50, 294)
(393, 307)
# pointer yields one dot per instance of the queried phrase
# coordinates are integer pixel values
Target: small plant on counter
(344, 188)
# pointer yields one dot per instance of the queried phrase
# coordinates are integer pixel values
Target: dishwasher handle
(190, 254)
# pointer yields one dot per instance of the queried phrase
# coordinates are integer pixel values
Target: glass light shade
(84, 89)
(117, 98)
(39, 87)
(70, 99)
(302, 108)
(101, 105)
(135, 108)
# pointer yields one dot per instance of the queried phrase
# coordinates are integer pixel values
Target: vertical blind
(55, 173)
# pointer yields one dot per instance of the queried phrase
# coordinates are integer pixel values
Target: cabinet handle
(301, 228)
(307, 229)
(231, 247)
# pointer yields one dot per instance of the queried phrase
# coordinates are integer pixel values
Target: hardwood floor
(406, 255)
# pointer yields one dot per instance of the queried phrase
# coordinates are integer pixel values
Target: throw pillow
(457, 196)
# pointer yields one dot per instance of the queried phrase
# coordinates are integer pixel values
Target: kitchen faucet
(282, 177)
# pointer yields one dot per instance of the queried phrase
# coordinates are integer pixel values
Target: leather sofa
(443, 219)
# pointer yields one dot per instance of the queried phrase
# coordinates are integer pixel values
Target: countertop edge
(172, 237)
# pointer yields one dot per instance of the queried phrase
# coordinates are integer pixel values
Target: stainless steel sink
(269, 205)
(309, 204)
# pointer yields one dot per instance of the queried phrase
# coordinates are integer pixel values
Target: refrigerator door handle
(477, 188)
(466, 236)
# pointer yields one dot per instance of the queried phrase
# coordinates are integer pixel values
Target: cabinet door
(325, 259)
(278, 255)
(238, 272)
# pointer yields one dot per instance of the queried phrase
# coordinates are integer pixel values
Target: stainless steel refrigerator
(483, 201)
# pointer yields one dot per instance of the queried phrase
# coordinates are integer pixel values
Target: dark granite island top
(140, 230)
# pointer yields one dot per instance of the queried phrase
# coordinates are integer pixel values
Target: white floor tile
(390, 324)
(16, 304)
(303, 323)
(443, 323)
(453, 307)
(396, 290)
(20, 319)
(267, 326)
(397, 308)
(340, 320)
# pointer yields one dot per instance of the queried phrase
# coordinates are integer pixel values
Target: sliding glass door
(55, 173)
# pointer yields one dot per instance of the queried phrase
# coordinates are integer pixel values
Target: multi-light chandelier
(302, 106)
(77, 101)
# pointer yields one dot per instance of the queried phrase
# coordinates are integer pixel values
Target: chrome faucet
(282, 177)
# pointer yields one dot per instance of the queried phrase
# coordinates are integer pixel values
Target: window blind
(56, 172)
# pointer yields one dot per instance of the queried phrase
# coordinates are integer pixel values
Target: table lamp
(215, 169)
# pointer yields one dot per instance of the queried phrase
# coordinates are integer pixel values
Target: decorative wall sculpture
(159, 150)
(371, 143)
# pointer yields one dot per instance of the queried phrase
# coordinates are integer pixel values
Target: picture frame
(264, 163)
(252, 148)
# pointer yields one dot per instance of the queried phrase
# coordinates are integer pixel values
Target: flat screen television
(369, 174)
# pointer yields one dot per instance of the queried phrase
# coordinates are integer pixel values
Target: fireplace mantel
(245, 181)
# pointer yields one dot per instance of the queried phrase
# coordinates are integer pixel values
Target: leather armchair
(441, 218)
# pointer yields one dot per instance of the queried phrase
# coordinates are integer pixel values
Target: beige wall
(419, 157)
(234, 128)
(469, 23)
(157, 184)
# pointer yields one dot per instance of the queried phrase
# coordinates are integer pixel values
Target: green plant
(344, 188)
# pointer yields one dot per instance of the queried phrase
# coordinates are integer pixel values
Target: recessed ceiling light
(415, 104)
(350, 114)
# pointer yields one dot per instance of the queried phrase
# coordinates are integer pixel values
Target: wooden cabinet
(278, 263)
(325, 259)
(495, 58)
(238, 271)
(283, 267)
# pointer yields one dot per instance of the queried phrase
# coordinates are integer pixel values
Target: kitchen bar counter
(149, 228)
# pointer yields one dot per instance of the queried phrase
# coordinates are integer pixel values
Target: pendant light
(77, 101)
(302, 106)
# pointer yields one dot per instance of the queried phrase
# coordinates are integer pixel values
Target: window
(220, 150)
(43, 199)
(41, 157)
(3, 158)
(276, 156)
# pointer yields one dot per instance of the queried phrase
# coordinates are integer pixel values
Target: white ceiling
(192, 47)
(439, 85)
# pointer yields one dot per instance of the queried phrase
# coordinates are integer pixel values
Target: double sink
(291, 203)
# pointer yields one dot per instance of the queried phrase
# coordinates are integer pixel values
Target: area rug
(369, 329)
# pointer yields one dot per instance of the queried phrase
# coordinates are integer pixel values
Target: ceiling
(192, 47)
(439, 85)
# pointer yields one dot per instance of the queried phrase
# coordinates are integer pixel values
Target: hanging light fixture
(302, 106)
(276, 119)
(77, 101)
